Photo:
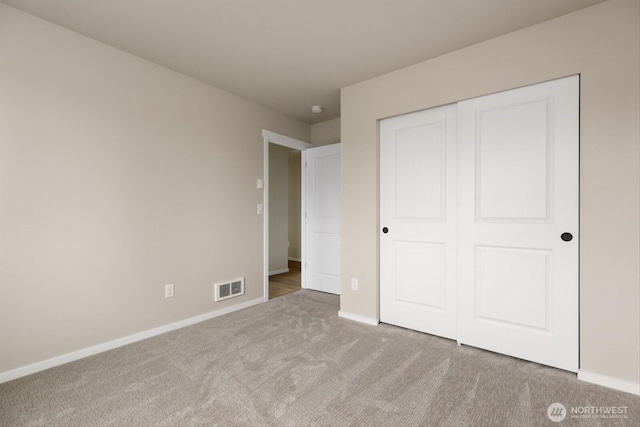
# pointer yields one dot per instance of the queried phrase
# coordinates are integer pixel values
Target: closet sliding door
(518, 223)
(418, 220)
(479, 225)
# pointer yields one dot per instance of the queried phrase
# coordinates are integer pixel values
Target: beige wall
(278, 208)
(117, 176)
(602, 44)
(294, 205)
(325, 133)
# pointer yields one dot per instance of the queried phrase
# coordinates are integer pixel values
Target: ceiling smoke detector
(316, 109)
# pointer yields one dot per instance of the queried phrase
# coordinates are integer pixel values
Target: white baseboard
(615, 383)
(295, 259)
(90, 351)
(358, 318)
(274, 272)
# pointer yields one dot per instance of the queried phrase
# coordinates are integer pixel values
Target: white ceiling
(291, 54)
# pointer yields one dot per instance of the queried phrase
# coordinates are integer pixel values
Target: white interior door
(418, 220)
(322, 180)
(517, 195)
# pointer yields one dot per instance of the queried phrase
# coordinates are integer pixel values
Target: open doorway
(287, 239)
(284, 221)
(319, 218)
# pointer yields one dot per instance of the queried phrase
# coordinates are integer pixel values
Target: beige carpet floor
(293, 362)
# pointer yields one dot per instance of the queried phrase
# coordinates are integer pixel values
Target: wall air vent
(232, 288)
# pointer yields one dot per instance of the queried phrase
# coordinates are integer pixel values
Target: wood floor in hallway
(286, 283)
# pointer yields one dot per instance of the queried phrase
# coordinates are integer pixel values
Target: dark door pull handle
(385, 230)
(567, 237)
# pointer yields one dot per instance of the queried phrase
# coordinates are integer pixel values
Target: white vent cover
(232, 288)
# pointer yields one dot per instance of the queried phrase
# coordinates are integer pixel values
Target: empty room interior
(343, 212)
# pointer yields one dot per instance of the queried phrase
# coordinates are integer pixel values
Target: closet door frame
(521, 294)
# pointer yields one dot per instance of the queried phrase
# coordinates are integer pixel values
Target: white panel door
(322, 180)
(517, 197)
(418, 221)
